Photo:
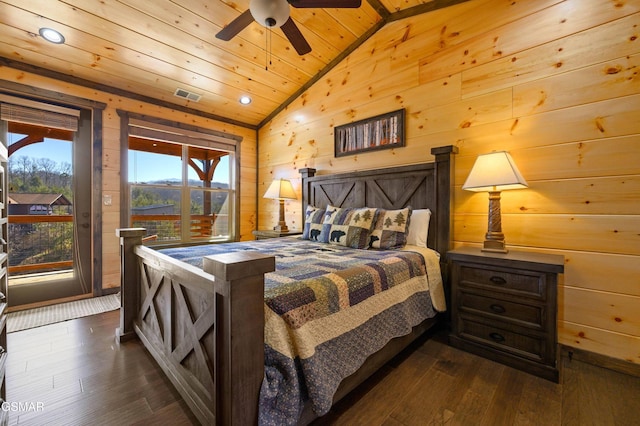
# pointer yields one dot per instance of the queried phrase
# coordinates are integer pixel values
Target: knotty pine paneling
(111, 159)
(553, 82)
(592, 46)
(598, 195)
(542, 27)
(601, 341)
(599, 309)
(614, 78)
(605, 233)
(602, 271)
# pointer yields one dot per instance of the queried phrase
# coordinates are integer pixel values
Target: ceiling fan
(275, 13)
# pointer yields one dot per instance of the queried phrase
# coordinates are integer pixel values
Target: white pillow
(419, 227)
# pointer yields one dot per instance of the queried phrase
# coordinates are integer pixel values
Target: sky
(143, 167)
(55, 150)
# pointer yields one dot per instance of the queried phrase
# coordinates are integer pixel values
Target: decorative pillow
(390, 229)
(313, 218)
(419, 227)
(330, 214)
(348, 227)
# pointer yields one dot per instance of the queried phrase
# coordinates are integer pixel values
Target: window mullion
(185, 212)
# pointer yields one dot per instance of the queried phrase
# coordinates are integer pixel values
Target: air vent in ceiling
(185, 94)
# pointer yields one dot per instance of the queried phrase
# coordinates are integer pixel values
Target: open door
(49, 211)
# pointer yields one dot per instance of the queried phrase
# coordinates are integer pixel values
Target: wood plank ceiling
(146, 49)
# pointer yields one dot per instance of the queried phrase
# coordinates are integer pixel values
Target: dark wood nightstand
(503, 307)
(270, 233)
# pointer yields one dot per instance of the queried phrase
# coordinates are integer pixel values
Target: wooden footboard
(204, 328)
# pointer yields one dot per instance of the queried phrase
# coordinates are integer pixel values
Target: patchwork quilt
(327, 308)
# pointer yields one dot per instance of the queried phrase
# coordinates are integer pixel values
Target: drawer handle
(497, 337)
(498, 309)
(498, 280)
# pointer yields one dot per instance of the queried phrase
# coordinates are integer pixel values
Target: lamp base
(281, 228)
(282, 224)
(494, 246)
(494, 238)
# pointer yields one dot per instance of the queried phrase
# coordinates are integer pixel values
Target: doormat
(30, 318)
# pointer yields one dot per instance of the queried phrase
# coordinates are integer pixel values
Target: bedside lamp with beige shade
(493, 173)
(281, 189)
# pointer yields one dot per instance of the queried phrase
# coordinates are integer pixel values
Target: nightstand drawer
(533, 284)
(520, 344)
(518, 313)
(503, 307)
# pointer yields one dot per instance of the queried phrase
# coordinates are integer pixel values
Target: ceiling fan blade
(235, 26)
(290, 29)
(341, 4)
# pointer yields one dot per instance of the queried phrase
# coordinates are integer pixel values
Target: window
(181, 184)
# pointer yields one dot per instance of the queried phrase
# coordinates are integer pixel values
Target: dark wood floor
(83, 377)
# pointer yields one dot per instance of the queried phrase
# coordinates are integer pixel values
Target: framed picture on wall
(383, 131)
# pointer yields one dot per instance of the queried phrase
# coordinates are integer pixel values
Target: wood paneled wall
(111, 159)
(554, 82)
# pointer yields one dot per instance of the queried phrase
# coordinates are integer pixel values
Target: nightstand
(503, 307)
(270, 233)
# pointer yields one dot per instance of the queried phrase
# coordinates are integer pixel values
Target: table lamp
(281, 189)
(494, 172)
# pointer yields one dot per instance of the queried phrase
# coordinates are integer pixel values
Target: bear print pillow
(312, 223)
(347, 227)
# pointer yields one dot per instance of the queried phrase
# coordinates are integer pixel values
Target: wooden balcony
(50, 239)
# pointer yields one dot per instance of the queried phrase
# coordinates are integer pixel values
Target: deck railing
(44, 243)
(167, 227)
(40, 243)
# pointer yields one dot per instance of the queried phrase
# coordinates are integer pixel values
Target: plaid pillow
(390, 229)
(347, 227)
(313, 218)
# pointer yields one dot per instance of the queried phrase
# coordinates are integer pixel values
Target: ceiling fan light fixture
(269, 13)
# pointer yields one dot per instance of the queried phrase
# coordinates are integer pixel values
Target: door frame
(93, 111)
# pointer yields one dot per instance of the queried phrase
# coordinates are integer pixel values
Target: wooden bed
(205, 328)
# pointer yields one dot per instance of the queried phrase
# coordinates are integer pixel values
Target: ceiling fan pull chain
(270, 44)
(266, 50)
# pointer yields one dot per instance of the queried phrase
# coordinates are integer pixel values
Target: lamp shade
(495, 171)
(280, 189)
(269, 13)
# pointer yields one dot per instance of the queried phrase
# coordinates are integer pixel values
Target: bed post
(240, 319)
(129, 285)
(444, 215)
(306, 173)
(444, 183)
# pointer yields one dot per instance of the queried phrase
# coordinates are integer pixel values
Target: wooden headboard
(420, 186)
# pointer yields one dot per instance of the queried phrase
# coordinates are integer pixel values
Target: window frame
(132, 124)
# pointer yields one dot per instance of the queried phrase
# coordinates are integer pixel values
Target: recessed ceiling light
(245, 100)
(51, 35)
